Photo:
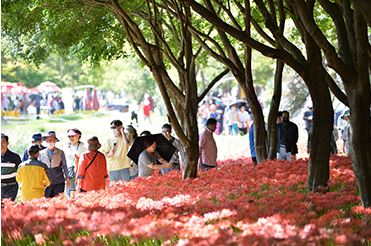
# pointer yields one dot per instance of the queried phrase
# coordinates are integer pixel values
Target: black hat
(36, 137)
(33, 149)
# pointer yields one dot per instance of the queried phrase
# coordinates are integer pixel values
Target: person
(92, 172)
(9, 166)
(32, 176)
(55, 160)
(116, 150)
(252, 144)
(308, 118)
(148, 158)
(60, 103)
(279, 117)
(36, 100)
(147, 110)
(203, 112)
(54, 105)
(243, 120)
(5, 103)
(21, 107)
(287, 138)
(175, 159)
(145, 133)
(334, 138)
(36, 140)
(76, 103)
(134, 117)
(220, 119)
(132, 135)
(347, 134)
(232, 120)
(73, 151)
(208, 148)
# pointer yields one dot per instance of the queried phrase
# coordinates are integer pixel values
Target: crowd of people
(47, 171)
(24, 104)
(234, 119)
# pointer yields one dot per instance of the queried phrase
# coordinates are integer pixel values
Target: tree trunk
(191, 159)
(272, 117)
(359, 98)
(318, 166)
(361, 141)
(323, 118)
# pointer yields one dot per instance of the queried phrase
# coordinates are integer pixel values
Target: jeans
(175, 167)
(54, 190)
(72, 175)
(134, 177)
(282, 154)
(205, 167)
(9, 191)
(119, 175)
(233, 129)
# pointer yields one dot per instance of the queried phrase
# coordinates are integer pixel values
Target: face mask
(51, 145)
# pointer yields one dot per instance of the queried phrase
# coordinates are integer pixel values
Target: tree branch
(334, 61)
(336, 15)
(211, 84)
(240, 35)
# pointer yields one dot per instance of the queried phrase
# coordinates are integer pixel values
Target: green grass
(118, 240)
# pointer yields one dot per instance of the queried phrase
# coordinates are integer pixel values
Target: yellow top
(32, 179)
(119, 160)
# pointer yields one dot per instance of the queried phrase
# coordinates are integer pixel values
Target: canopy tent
(48, 86)
(16, 88)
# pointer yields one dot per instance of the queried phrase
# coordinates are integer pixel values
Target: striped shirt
(9, 167)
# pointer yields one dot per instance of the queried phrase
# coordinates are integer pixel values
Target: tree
(127, 75)
(237, 57)
(54, 68)
(350, 60)
(310, 69)
(97, 30)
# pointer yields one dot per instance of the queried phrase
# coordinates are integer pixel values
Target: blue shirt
(251, 140)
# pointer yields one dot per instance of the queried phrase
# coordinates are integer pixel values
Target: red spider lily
(238, 204)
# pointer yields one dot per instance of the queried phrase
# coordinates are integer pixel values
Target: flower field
(239, 204)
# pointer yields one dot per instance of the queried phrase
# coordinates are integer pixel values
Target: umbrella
(238, 103)
(48, 86)
(164, 147)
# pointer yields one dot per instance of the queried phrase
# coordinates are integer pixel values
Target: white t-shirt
(71, 150)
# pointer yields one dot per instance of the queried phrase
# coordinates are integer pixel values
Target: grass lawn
(97, 124)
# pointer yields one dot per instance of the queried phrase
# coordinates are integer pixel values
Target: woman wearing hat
(92, 172)
(73, 151)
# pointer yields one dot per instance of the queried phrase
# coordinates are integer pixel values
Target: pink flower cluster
(237, 204)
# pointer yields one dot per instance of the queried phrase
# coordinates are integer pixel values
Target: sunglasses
(113, 127)
(72, 136)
